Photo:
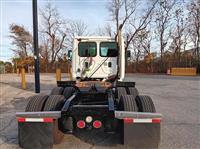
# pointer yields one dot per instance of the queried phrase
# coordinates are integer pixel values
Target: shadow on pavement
(98, 138)
(8, 123)
(30, 86)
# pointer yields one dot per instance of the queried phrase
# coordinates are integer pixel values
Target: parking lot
(177, 98)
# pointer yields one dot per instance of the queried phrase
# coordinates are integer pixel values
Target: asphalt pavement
(177, 98)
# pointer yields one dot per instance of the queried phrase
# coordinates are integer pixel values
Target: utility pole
(36, 50)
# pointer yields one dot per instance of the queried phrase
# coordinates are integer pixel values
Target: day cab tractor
(96, 98)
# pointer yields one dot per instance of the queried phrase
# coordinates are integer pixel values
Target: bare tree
(145, 40)
(177, 35)
(194, 19)
(125, 13)
(22, 40)
(75, 28)
(106, 30)
(53, 30)
(163, 17)
(114, 7)
(128, 15)
(141, 45)
(186, 34)
(44, 51)
(140, 23)
(137, 51)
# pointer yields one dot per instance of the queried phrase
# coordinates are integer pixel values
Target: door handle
(109, 64)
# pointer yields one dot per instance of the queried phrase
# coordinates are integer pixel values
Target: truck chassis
(90, 105)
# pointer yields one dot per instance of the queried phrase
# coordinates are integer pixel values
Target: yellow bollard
(23, 78)
(18, 71)
(58, 74)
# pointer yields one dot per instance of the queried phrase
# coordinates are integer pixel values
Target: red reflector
(21, 119)
(97, 124)
(156, 120)
(128, 120)
(80, 124)
(47, 120)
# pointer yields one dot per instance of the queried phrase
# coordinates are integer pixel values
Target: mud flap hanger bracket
(43, 114)
(140, 115)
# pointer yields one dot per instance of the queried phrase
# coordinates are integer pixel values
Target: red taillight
(80, 124)
(21, 119)
(156, 120)
(97, 124)
(47, 120)
(128, 120)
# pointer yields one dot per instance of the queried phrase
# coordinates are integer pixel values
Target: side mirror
(128, 53)
(69, 54)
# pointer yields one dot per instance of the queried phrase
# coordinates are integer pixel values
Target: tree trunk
(198, 51)
(161, 52)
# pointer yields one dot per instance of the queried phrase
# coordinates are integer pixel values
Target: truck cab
(94, 57)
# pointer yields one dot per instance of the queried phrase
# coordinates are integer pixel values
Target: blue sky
(92, 12)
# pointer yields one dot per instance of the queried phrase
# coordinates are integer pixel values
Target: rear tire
(145, 104)
(68, 91)
(120, 91)
(36, 103)
(133, 91)
(128, 103)
(55, 103)
(57, 91)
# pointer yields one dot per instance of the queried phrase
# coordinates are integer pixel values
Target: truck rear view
(96, 98)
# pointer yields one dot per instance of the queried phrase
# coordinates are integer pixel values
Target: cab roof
(94, 38)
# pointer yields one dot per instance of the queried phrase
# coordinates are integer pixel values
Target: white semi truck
(96, 98)
(91, 57)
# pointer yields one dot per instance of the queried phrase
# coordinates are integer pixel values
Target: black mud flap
(35, 135)
(139, 130)
(141, 135)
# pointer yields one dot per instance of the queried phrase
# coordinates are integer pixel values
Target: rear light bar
(142, 120)
(44, 120)
(80, 124)
(97, 124)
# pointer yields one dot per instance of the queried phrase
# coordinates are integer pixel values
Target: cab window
(108, 49)
(87, 49)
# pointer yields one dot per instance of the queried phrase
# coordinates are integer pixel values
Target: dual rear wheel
(53, 102)
(131, 101)
(137, 104)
